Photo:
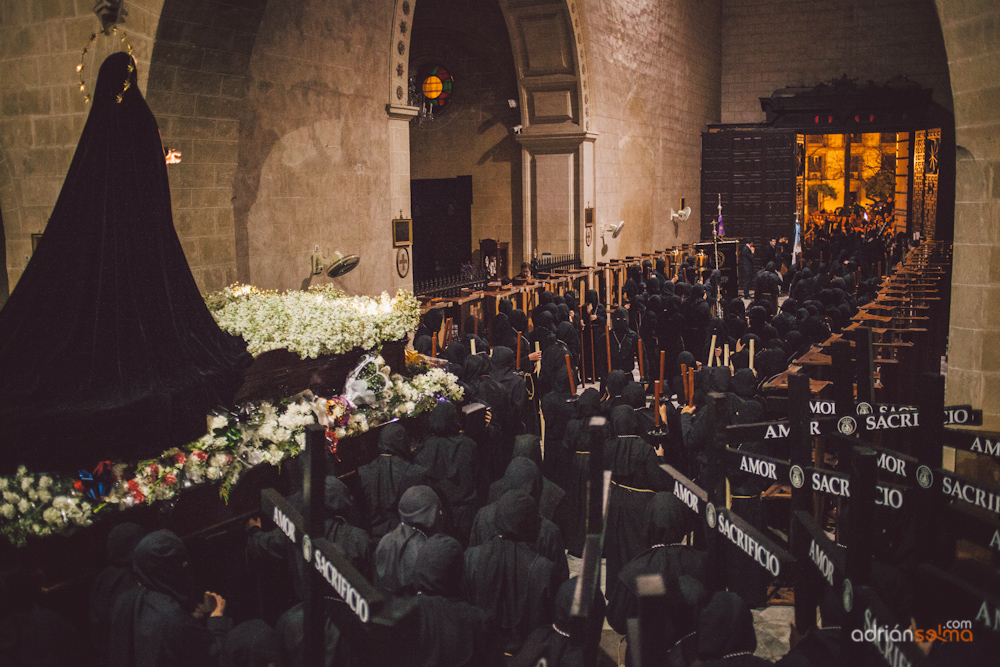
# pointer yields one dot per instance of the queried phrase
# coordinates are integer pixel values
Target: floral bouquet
(367, 383)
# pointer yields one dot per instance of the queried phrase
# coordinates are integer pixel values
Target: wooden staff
(583, 369)
(472, 344)
(663, 364)
(607, 343)
(656, 403)
(711, 351)
(475, 325)
(538, 364)
(684, 381)
(751, 356)
(517, 358)
(449, 323)
(434, 344)
(725, 354)
(593, 358)
(642, 373)
(569, 373)
(691, 384)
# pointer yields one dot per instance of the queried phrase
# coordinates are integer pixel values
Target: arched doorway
(555, 180)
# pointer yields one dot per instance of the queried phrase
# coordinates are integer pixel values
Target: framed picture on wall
(402, 232)
(588, 216)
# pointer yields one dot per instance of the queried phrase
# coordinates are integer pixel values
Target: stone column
(399, 187)
(969, 29)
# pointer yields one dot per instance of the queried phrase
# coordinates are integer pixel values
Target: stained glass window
(436, 87)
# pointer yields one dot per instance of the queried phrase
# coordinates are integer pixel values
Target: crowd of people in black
(471, 510)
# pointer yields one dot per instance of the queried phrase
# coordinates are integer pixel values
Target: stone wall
(197, 83)
(314, 163)
(42, 110)
(473, 135)
(970, 34)
(771, 44)
(655, 69)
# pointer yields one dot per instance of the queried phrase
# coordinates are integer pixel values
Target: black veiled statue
(107, 350)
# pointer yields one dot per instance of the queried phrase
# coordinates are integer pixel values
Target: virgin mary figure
(107, 350)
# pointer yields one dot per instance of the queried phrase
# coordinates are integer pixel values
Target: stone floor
(772, 625)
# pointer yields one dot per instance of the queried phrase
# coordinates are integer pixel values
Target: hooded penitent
(385, 479)
(113, 580)
(106, 325)
(725, 628)
(507, 578)
(398, 551)
(160, 608)
(451, 631)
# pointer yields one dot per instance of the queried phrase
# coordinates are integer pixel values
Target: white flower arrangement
(40, 505)
(264, 433)
(319, 321)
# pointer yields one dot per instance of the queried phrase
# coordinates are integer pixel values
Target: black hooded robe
(152, 625)
(387, 478)
(449, 630)
(454, 466)
(106, 325)
(507, 578)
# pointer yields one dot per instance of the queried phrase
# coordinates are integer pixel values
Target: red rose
(180, 458)
(133, 485)
(169, 479)
(138, 496)
(229, 458)
(199, 455)
(78, 485)
(154, 471)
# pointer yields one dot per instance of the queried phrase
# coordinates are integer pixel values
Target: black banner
(957, 487)
(362, 598)
(687, 491)
(887, 494)
(980, 442)
(760, 465)
(823, 552)
(776, 430)
(760, 548)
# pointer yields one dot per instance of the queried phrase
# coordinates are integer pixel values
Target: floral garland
(318, 321)
(40, 505)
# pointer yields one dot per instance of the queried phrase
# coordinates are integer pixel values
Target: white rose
(25, 483)
(217, 421)
(44, 482)
(52, 515)
(44, 496)
(4, 483)
(255, 457)
(214, 473)
(7, 510)
(23, 506)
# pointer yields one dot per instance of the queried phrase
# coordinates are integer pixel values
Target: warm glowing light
(432, 87)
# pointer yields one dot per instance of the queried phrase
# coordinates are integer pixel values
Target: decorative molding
(554, 141)
(399, 54)
(401, 111)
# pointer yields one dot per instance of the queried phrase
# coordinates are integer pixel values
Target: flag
(797, 246)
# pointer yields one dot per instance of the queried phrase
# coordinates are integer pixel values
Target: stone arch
(197, 87)
(550, 60)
